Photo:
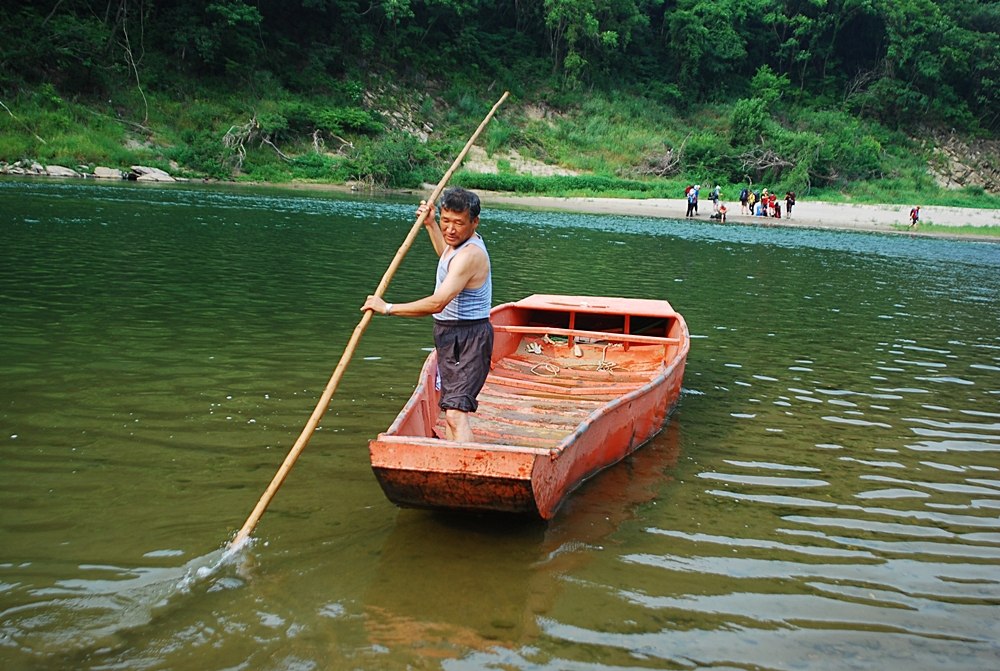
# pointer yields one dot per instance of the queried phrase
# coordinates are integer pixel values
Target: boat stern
(447, 475)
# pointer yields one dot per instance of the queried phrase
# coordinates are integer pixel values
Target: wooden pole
(345, 358)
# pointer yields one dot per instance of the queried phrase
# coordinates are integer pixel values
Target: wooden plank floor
(536, 408)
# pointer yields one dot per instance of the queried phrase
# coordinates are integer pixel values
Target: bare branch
(237, 137)
(131, 61)
(51, 13)
(760, 159)
(22, 123)
(664, 165)
(266, 139)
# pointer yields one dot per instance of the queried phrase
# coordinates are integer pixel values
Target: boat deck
(536, 400)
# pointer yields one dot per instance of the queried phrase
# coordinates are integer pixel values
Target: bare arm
(464, 267)
(433, 230)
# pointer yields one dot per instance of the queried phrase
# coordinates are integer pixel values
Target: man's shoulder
(472, 254)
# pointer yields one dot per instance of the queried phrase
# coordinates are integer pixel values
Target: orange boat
(576, 384)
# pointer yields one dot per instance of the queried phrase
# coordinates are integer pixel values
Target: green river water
(826, 495)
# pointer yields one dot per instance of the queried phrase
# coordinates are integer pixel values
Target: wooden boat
(577, 383)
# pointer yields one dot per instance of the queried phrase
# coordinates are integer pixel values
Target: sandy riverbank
(808, 214)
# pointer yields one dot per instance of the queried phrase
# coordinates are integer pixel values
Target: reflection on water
(827, 494)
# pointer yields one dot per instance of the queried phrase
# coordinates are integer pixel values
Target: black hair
(458, 199)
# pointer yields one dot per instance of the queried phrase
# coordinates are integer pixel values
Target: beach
(806, 213)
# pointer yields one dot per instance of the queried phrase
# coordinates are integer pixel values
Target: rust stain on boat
(548, 417)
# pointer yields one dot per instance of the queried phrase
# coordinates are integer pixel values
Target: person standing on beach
(461, 302)
(914, 217)
(789, 201)
(744, 199)
(751, 199)
(689, 195)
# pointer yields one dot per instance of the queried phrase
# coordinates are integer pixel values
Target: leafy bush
(274, 125)
(201, 151)
(748, 120)
(396, 159)
(554, 184)
(337, 119)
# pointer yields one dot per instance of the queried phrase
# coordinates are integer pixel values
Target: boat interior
(552, 368)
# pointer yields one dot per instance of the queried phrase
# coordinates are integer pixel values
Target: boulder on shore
(36, 168)
(100, 172)
(61, 171)
(146, 174)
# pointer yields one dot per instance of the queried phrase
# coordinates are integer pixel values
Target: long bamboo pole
(345, 358)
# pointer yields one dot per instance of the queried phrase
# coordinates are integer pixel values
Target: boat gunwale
(454, 444)
(605, 407)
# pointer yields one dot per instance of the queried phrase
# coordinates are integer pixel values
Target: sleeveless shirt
(469, 303)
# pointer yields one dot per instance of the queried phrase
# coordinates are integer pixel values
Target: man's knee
(455, 416)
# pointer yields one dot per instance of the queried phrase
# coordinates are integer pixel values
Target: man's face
(456, 227)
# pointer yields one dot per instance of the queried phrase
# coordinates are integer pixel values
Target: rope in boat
(551, 370)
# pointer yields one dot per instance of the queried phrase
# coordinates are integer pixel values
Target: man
(461, 302)
(914, 217)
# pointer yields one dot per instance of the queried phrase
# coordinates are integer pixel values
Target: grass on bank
(612, 137)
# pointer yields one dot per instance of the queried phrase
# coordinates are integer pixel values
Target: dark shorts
(464, 350)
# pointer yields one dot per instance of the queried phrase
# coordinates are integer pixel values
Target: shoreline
(863, 217)
(858, 217)
(806, 214)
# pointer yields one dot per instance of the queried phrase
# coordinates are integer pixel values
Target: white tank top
(469, 303)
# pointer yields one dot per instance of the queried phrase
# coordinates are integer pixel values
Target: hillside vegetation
(844, 98)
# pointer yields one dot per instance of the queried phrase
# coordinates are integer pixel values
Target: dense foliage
(805, 91)
(899, 61)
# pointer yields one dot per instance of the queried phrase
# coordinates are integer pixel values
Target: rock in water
(146, 174)
(100, 172)
(61, 171)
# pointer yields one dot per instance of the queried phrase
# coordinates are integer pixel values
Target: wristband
(388, 309)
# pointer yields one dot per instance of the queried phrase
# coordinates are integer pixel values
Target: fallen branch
(237, 137)
(265, 139)
(343, 143)
(664, 165)
(760, 159)
(144, 129)
(21, 122)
